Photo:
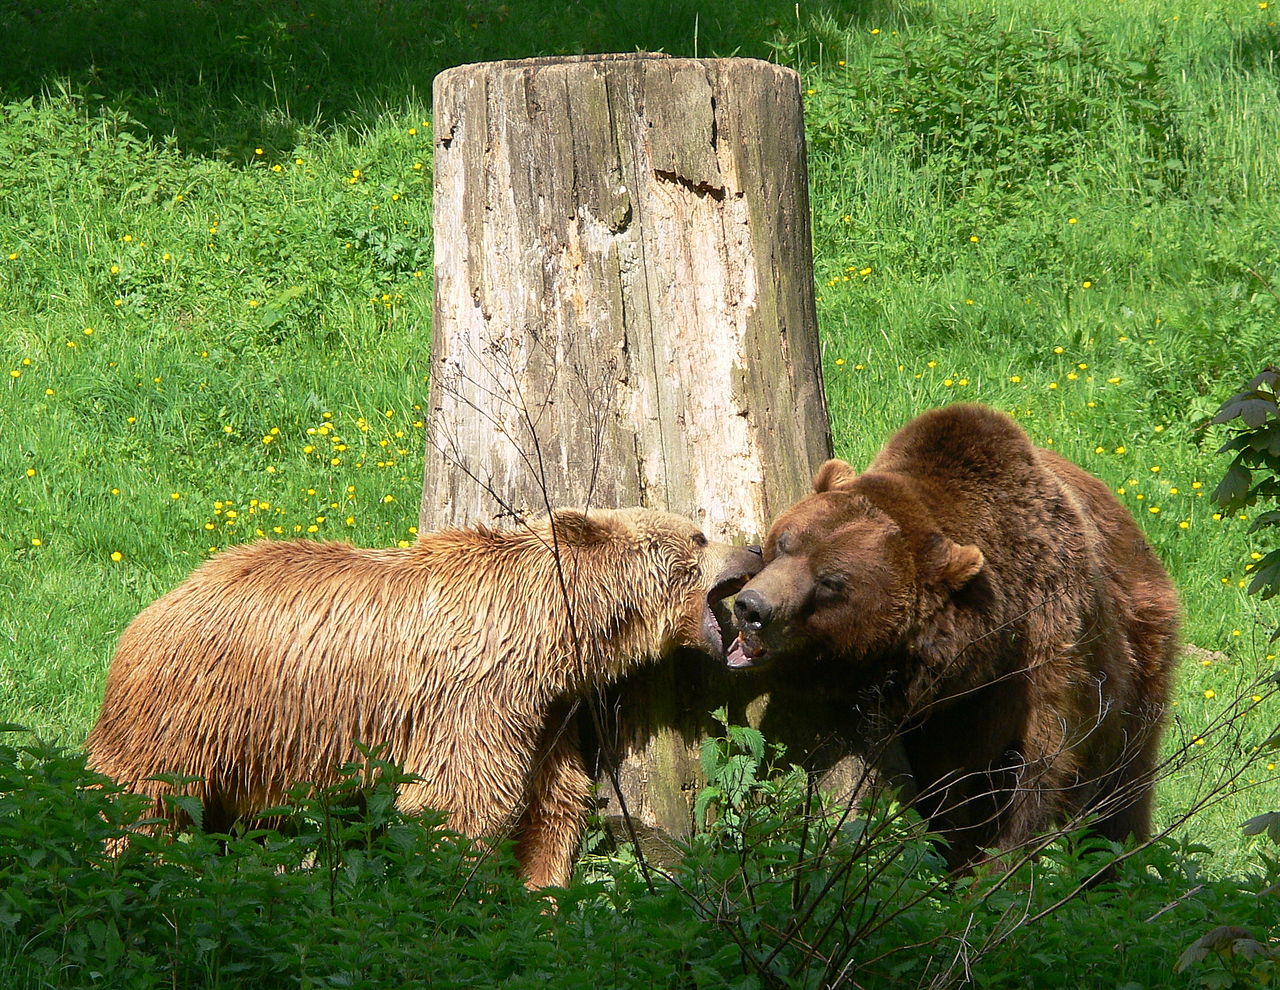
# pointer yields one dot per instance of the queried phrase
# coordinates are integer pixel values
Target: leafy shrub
(781, 890)
(1256, 448)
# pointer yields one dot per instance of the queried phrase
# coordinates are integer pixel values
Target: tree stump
(624, 315)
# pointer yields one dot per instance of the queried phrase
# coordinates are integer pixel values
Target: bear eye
(699, 540)
(830, 585)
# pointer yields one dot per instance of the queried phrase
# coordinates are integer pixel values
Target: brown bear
(996, 609)
(458, 653)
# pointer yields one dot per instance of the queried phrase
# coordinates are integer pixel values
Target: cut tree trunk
(624, 315)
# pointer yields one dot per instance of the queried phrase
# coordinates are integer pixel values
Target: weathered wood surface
(624, 315)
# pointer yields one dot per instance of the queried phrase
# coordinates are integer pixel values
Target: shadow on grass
(222, 77)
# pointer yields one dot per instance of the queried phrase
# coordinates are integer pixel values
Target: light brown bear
(997, 608)
(264, 667)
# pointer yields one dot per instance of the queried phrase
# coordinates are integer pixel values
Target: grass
(215, 271)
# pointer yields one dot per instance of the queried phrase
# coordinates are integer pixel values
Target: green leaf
(1268, 822)
(1266, 576)
(1253, 407)
(1234, 487)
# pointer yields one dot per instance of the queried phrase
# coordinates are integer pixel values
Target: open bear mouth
(719, 631)
(743, 655)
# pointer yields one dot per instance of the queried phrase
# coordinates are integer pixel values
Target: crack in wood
(697, 188)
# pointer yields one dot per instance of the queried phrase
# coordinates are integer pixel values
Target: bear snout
(752, 610)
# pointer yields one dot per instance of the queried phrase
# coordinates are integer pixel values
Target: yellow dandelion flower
(117, 556)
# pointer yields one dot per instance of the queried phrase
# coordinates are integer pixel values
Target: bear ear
(950, 563)
(834, 475)
(574, 527)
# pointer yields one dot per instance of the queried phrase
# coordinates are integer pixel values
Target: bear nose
(751, 610)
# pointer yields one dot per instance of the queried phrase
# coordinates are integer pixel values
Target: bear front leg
(549, 829)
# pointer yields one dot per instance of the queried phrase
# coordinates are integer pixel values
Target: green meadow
(216, 276)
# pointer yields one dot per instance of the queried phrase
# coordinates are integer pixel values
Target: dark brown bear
(998, 608)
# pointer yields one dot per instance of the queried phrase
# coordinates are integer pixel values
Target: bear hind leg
(1123, 805)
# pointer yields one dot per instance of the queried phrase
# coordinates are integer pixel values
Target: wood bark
(624, 315)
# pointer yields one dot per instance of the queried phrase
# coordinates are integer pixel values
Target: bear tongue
(737, 655)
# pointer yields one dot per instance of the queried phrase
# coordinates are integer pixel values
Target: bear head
(854, 571)
(656, 570)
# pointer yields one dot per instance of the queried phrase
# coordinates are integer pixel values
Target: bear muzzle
(752, 612)
(733, 568)
(768, 612)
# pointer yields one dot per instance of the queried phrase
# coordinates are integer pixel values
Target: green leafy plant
(1255, 444)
